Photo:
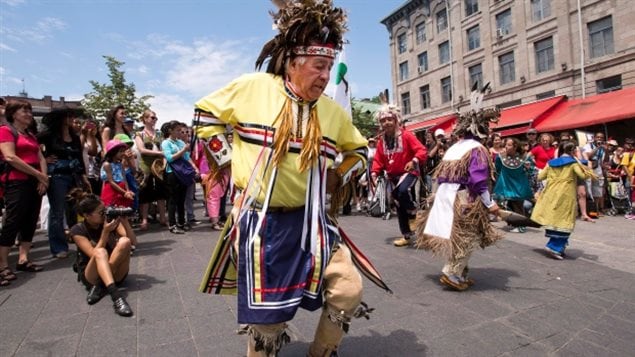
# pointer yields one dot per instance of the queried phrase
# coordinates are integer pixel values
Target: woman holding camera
(103, 256)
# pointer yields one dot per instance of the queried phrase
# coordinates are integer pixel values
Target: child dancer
(557, 205)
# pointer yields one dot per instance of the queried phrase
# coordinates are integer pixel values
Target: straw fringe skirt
(471, 222)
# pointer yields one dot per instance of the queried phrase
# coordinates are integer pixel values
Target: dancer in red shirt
(400, 154)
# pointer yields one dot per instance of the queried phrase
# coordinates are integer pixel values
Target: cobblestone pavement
(523, 303)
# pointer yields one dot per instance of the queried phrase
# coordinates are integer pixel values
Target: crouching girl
(103, 252)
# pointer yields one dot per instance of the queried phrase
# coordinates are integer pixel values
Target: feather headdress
(305, 27)
(387, 109)
(476, 120)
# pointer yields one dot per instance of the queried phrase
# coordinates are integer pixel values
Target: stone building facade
(46, 104)
(526, 49)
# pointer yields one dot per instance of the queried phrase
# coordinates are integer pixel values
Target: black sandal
(7, 274)
(28, 266)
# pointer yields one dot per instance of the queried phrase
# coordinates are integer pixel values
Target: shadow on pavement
(397, 343)
(137, 282)
(484, 279)
(157, 247)
(570, 254)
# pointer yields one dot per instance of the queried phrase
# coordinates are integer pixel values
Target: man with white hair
(399, 153)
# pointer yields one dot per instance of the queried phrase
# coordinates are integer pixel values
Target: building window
(609, 84)
(424, 92)
(403, 71)
(422, 61)
(545, 95)
(442, 21)
(446, 90)
(540, 9)
(601, 37)
(507, 69)
(473, 38)
(471, 7)
(544, 55)
(444, 52)
(476, 75)
(420, 31)
(504, 23)
(401, 43)
(511, 103)
(405, 103)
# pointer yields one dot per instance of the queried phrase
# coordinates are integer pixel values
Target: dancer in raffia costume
(458, 223)
(280, 250)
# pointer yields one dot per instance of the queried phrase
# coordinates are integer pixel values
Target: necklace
(391, 146)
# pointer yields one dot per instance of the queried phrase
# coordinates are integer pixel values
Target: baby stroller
(619, 200)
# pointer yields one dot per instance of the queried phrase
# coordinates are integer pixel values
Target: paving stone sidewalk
(523, 303)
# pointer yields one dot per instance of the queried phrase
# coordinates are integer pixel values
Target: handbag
(183, 171)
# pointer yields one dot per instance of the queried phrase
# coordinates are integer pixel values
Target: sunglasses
(154, 118)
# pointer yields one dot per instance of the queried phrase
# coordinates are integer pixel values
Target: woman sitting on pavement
(103, 252)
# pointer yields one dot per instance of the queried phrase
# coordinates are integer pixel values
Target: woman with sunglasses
(152, 188)
(103, 252)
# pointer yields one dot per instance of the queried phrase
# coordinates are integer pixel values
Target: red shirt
(26, 148)
(406, 147)
(541, 156)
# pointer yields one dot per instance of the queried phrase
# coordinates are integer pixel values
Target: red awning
(442, 121)
(525, 114)
(514, 131)
(597, 109)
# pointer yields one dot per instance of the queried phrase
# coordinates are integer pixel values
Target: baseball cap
(439, 132)
(612, 142)
(128, 121)
(532, 131)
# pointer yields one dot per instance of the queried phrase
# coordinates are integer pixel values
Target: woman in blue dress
(512, 184)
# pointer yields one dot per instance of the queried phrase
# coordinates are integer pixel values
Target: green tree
(364, 116)
(107, 95)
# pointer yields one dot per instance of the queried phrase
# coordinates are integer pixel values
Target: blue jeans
(406, 202)
(59, 185)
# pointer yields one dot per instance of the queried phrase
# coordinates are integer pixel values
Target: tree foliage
(107, 95)
(363, 119)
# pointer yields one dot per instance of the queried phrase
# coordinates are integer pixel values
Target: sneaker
(95, 294)
(629, 216)
(518, 230)
(401, 242)
(453, 283)
(555, 255)
(186, 227)
(61, 255)
(194, 222)
(176, 230)
(121, 307)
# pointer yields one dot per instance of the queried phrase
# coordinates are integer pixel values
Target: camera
(114, 212)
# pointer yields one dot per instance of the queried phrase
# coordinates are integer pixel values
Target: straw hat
(157, 168)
